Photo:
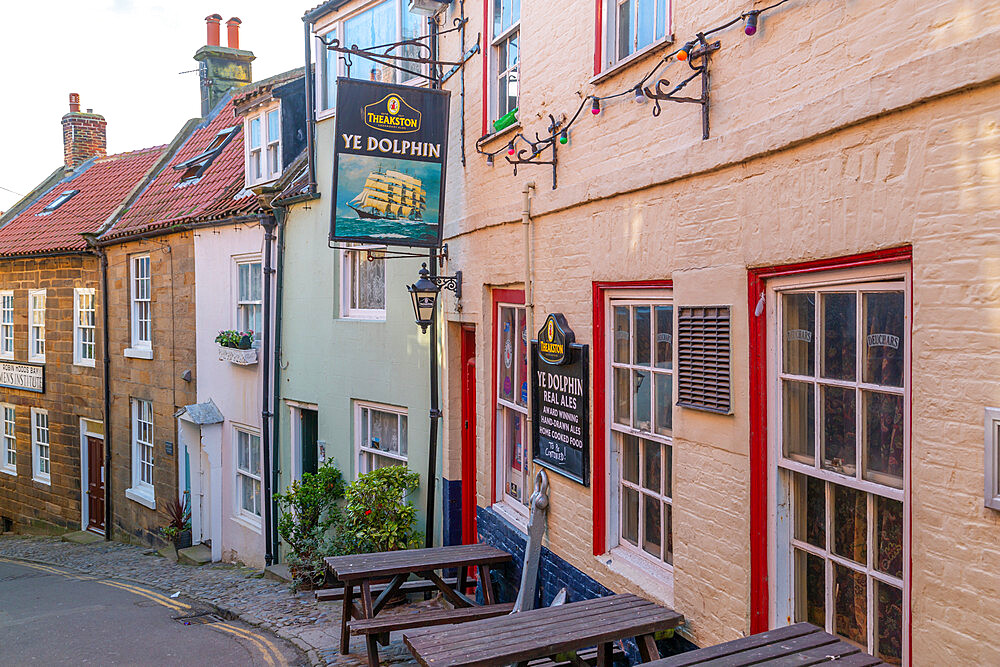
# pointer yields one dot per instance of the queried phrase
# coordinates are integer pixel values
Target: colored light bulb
(640, 97)
(595, 106)
(489, 160)
(563, 137)
(751, 26)
(682, 55)
(510, 148)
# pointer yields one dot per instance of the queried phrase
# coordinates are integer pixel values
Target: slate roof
(103, 184)
(218, 193)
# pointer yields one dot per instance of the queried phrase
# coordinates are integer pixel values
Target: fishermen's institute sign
(389, 164)
(28, 377)
(560, 398)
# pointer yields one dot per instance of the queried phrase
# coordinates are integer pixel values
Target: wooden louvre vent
(703, 358)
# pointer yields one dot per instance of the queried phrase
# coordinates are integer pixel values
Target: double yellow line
(267, 648)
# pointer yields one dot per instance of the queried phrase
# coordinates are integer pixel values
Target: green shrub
(310, 523)
(377, 515)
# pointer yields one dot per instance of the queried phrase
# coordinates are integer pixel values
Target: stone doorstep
(278, 572)
(197, 555)
(82, 537)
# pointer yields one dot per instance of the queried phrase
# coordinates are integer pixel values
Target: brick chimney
(221, 68)
(85, 135)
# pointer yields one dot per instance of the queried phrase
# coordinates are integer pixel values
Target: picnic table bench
(799, 644)
(541, 633)
(363, 570)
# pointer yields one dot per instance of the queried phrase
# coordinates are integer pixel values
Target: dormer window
(263, 145)
(196, 166)
(59, 201)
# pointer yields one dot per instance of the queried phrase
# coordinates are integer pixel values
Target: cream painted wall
(841, 128)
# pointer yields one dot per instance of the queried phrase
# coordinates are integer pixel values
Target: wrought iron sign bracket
(701, 53)
(452, 283)
(375, 253)
(530, 154)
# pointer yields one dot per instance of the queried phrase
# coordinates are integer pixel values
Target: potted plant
(237, 347)
(178, 530)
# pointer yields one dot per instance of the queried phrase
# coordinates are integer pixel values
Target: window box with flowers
(236, 347)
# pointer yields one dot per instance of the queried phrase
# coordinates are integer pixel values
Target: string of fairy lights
(559, 131)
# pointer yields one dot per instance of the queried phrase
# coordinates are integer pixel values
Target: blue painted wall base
(554, 574)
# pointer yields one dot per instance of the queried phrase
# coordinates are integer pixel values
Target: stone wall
(72, 392)
(158, 379)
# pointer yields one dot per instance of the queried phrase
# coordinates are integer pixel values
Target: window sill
(638, 56)
(655, 579)
(143, 497)
(36, 360)
(364, 317)
(324, 114)
(86, 363)
(250, 523)
(138, 353)
(9, 471)
(490, 138)
(47, 481)
(6, 357)
(519, 520)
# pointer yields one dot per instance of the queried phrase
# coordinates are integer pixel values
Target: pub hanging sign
(27, 377)
(560, 401)
(389, 164)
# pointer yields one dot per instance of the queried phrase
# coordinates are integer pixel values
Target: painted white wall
(235, 390)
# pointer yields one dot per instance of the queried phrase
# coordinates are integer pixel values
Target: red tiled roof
(214, 195)
(103, 185)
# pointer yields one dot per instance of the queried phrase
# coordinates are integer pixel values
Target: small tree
(377, 515)
(308, 511)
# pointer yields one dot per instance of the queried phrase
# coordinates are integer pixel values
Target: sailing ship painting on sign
(379, 199)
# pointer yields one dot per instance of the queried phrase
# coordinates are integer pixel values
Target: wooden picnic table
(545, 632)
(799, 644)
(362, 570)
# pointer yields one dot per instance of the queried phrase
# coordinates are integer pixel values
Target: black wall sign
(389, 164)
(560, 400)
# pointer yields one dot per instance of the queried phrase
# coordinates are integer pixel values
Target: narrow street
(53, 616)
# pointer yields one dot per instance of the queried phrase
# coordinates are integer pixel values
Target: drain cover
(198, 619)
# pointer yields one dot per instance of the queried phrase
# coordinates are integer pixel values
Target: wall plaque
(560, 401)
(28, 377)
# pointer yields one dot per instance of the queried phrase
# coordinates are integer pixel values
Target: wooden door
(469, 535)
(95, 483)
(310, 437)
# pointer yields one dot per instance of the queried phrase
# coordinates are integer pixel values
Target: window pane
(798, 329)
(889, 631)
(630, 458)
(255, 133)
(364, 427)
(622, 392)
(254, 444)
(798, 421)
(515, 454)
(883, 438)
(641, 337)
(403, 446)
(668, 471)
(661, 18)
(668, 533)
(810, 589)
(330, 70)
(810, 510)
(246, 493)
(369, 282)
(850, 523)
(522, 362)
(641, 401)
(243, 451)
(651, 465)
(621, 334)
(626, 31)
(630, 515)
(664, 336)
(384, 431)
(644, 23)
(850, 605)
(839, 426)
(652, 530)
(664, 402)
(273, 125)
(371, 28)
(884, 340)
(839, 335)
(889, 536)
(255, 281)
(507, 354)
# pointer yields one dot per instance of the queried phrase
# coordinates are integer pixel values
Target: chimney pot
(74, 102)
(212, 22)
(90, 111)
(83, 137)
(233, 32)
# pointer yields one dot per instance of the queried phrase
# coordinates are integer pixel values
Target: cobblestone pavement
(313, 627)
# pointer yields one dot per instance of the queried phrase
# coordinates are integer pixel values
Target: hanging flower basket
(237, 356)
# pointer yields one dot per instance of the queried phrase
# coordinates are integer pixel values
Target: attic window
(59, 201)
(197, 165)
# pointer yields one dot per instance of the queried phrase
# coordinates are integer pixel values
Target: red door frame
(468, 360)
(759, 528)
(598, 466)
(514, 297)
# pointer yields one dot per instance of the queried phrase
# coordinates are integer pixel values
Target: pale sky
(124, 58)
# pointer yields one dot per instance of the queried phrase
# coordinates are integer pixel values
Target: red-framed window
(807, 306)
(600, 479)
(508, 411)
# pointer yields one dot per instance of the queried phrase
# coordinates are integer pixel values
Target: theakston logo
(392, 114)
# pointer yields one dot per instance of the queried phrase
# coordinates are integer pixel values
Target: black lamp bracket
(532, 150)
(452, 283)
(701, 52)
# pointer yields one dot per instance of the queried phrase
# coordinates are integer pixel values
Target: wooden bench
(407, 620)
(799, 644)
(337, 594)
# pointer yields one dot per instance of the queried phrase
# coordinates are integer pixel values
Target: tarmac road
(50, 616)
